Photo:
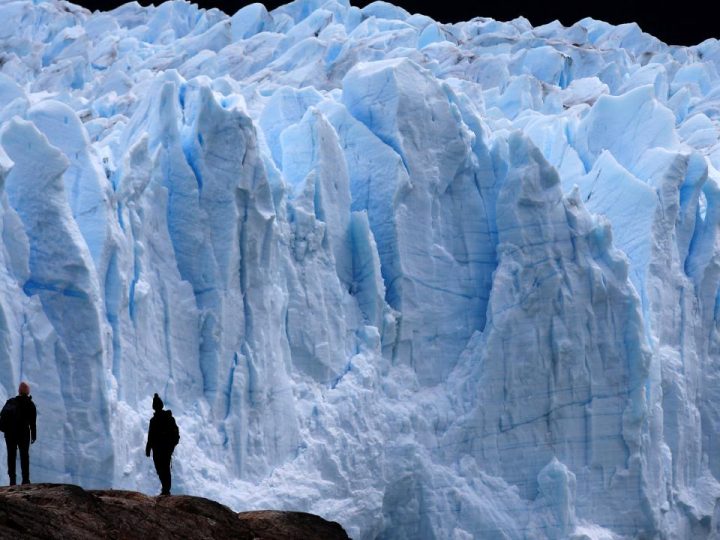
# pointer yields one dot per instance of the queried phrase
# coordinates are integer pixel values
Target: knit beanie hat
(24, 388)
(157, 403)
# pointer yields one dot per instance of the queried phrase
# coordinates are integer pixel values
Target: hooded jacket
(25, 419)
(162, 434)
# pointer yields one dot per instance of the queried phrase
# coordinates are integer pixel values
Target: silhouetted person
(18, 422)
(163, 436)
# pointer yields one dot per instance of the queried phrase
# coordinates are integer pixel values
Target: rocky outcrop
(67, 511)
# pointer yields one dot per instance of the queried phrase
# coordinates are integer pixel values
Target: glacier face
(427, 280)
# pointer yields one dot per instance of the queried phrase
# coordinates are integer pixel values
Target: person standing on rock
(163, 437)
(17, 421)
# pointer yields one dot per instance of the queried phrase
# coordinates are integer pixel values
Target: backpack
(169, 431)
(8, 415)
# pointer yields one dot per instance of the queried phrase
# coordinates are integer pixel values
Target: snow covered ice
(427, 280)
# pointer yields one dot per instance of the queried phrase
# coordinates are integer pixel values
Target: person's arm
(33, 419)
(150, 441)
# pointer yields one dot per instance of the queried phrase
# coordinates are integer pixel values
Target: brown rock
(69, 512)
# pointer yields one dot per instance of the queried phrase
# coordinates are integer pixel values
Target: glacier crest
(428, 280)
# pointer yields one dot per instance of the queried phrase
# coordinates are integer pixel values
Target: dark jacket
(25, 418)
(162, 434)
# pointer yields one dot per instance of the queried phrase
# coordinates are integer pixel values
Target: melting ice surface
(427, 280)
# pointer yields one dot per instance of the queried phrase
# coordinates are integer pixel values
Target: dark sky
(678, 23)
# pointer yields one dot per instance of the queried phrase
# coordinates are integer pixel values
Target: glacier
(427, 280)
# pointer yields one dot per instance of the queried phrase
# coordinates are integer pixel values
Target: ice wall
(427, 280)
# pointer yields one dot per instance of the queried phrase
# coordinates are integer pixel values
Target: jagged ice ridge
(428, 280)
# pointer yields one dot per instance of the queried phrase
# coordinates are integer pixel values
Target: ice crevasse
(427, 280)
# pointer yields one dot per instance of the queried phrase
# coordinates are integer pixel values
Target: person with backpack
(17, 421)
(163, 437)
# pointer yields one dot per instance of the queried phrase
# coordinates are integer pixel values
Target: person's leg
(11, 446)
(168, 476)
(165, 474)
(24, 447)
(162, 467)
(158, 465)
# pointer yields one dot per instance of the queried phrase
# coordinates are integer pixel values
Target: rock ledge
(67, 511)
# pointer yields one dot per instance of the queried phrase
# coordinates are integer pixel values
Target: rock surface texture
(69, 512)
